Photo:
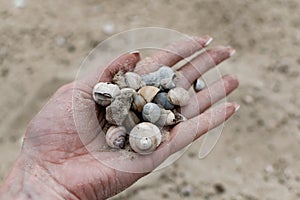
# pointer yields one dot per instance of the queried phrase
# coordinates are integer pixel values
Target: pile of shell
(140, 106)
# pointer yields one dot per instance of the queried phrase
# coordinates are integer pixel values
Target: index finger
(172, 54)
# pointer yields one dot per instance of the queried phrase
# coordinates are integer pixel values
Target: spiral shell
(118, 110)
(104, 93)
(148, 92)
(179, 96)
(116, 137)
(144, 138)
(162, 100)
(151, 112)
(199, 85)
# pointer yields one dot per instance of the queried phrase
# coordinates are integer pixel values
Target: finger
(190, 130)
(210, 95)
(172, 54)
(201, 64)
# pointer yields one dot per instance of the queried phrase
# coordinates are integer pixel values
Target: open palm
(66, 137)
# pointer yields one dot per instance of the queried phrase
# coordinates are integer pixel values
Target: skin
(55, 163)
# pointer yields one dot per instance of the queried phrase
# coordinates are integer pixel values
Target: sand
(257, 157)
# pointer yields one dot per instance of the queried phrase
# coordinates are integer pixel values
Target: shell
(162, 100)
(104, 93)
(162, 78)
(134, 80)
(116, 137)
(119, 79)
(148, 92)
(199, 85)
(128, 80)
(138, 103)
(118, 110)
(151, 112)
(166, 118)
(130, 121)
(179, 96)
(144, 138)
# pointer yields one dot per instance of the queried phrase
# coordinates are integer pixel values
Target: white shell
(148, 92)
(199, 85)
(167, 118)
(151, 112)
(104, 93)
(116, 137)
(179, 96)
(144, 138)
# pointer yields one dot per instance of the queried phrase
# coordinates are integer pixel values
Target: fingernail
(236, 107)
(232, 52)
(209, 40)
(136, 53)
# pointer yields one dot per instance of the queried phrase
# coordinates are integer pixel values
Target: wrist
(28, 180)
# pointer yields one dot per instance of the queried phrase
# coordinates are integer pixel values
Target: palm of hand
(53, 141)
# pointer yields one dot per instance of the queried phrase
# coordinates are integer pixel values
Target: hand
(59, 158)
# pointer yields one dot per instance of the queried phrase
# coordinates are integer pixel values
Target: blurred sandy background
(42, 44)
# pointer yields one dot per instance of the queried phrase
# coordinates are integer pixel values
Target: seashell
(179, 96)
(148, 92)
(162, 100)
(104, 93)
(138, 102)
(116, 137)
(168, 118)
(162, 78)
(144, 138)
(118, 110)
(130, 121)
(128, 91)
(128, 80)
(151, 112)
(119, 79)
(134, 80)
(199, 85)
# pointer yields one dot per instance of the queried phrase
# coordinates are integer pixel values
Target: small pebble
(19, 3)
(199, 85)
(219, 188)
(108, 28)
(60, 41)
(187, 191)
(247, 99)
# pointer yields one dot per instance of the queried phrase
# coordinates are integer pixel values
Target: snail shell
(148, 92)
(119, 79)
(128, 80)
(138, 102)
(144, 138)
(166, 118)
(163, 78)
(162, 100)
(199, 85)
(104, 93)
(151, 112)
(118, 110)
(179, 96)
(130, 121)
(116, 137)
